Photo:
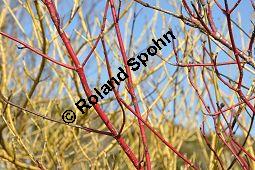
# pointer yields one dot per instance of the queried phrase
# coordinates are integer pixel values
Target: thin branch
(37, 51)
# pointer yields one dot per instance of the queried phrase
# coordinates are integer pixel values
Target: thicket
(191, 107)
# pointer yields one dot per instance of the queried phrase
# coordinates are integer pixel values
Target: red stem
(130, 85)
(101, 113)
(37, 51)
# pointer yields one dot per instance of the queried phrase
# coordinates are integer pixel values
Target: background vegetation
(190, 93)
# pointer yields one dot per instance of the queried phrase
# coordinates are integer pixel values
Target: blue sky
(244, 10)
(240, 15)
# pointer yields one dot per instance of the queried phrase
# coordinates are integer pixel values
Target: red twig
(130, 84)
(202, 129)
(37, 51)
(159, 135)
(100, 35)
(101, 113)
(50, 119)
